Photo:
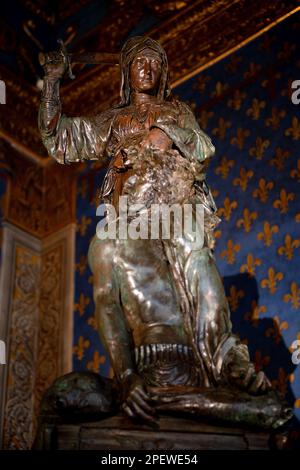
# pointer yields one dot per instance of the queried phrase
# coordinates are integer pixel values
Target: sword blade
(94, 58)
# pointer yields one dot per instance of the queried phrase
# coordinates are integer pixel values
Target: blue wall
(88, 349)
(244, 104)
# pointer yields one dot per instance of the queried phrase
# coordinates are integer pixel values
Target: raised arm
(69, 139)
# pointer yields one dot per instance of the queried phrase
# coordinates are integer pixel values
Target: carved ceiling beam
(194, 39)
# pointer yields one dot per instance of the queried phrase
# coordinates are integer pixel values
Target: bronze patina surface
(160, 303)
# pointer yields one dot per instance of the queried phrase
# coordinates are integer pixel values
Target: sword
(92, 58)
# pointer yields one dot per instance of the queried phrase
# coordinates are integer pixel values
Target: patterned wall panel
(3, 185)
(35, 324)
(244, 104)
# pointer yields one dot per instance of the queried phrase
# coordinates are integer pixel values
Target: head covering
(131, 48)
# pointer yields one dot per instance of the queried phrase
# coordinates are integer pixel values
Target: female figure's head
(144, 69)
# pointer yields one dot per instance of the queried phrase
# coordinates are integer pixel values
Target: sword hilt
(64, 53)
(46, 58)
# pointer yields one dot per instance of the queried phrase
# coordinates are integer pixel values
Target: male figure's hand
(239, 371)
(136, 399)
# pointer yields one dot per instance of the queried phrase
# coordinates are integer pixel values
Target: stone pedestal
(119, 433)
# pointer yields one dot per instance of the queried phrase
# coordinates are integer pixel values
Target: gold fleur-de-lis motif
(246, 220)
(274, 120)
(240, 137)
(259, 149)
(260, 361)
(234, 296)
(281, 382)
(82, 189)
(270, 81)
(286, 50)
(256, 310)
(204, 118)
(265, 43)
(83, 225)
(293, 296)
(250, 265)
(242, 180)
(279, 159)
(296, 172)
(289, 246)
(82, 304)
(93, 322)
(223, 125)
(80, 347)
(252, 70)
(233, 63)
(217, 233)
(215, 193)
(192, 105)
(262, 192)
(276, 329)
(81, 266)
(283, 202)
(91, 279)
(201, 83)
(294, 130)
(282, 325)
(267, 233)
(219, 90)
(224, 167)
(297, 217)
(236, 101)
(288, 90)
(271, 281)
(227, 208)
(95, 364)
(230, 252)
(255, 109)
(291, 347)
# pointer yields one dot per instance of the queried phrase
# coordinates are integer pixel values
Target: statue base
(119, 433)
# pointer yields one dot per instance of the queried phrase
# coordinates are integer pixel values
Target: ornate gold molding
(36, 323)
(42, 200)
(18, 423)
(51, 311)
(194, 39)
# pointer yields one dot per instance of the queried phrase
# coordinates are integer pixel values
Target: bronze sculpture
(160, 303)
